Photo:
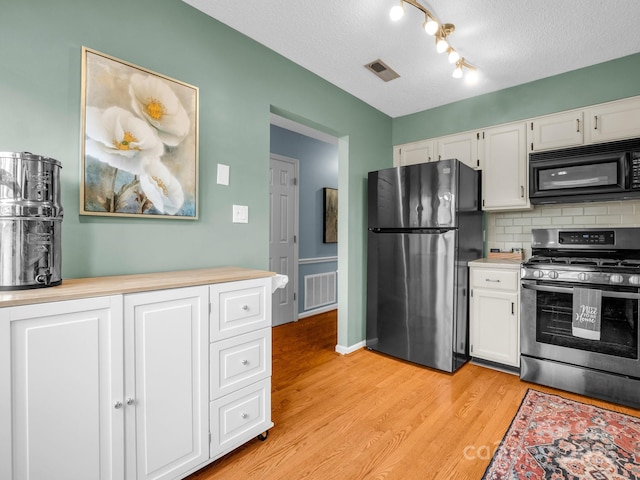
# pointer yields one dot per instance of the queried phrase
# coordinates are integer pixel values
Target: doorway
(313, 277)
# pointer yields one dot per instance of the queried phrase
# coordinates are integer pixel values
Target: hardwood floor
(368, 416)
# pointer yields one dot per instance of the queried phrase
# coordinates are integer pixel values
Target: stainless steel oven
(602, 264)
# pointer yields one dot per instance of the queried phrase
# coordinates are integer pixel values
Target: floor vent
(381, 70)
(319, 290)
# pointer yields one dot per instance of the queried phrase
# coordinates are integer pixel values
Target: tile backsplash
(507, 230)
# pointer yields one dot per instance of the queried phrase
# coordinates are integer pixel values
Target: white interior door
(283, 234)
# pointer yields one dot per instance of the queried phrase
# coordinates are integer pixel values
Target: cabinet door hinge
(210, 308)
(209, 437)
(471, 292)
(532, 126)
(295, 182)
(478, 136)
(295, 239)
(294, 296)
(532, 146)
(477, 162)
(483, 202)
(471, 348)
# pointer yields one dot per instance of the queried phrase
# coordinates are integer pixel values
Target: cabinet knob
(244, 415)
(245, 307)
(117, 404)
(245, 362)
(130, 401)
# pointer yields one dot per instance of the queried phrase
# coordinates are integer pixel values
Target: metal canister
(30, 221)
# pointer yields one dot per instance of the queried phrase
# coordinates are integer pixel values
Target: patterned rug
(559, 439)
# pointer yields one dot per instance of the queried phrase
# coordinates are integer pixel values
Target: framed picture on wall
(330, 228)
(139, 141)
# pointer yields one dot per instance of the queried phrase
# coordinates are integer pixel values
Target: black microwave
(591, 173)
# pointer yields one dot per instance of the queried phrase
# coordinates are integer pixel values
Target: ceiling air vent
(382, 70)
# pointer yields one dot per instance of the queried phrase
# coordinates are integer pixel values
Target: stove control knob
(583, 277)
(616, 278)
(553, 274)
(634, 279)
(538, 274)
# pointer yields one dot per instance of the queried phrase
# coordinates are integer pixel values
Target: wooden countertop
(496, 263)
(75, 288)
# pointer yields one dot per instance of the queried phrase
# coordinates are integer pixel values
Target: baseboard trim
(342, 350)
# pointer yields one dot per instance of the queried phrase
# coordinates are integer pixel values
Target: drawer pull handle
(244, 415)
(492, 280)
(245, 307)
(245, 362)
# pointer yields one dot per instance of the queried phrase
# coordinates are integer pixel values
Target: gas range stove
(589, 256)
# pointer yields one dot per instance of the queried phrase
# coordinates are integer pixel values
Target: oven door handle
(605, 293)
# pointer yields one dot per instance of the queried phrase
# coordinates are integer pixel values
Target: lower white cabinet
(240, 381)
(62, 374)
(494, 313)
(166, 382)
(131, 386)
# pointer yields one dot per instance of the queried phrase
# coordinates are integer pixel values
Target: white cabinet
(123, 385)
(240, 369)
(560, 130)
(463, 146)
(614, 121)
(504, 178)
(494, 324)
(166, 382)
(62, 374)
(605, 122)
(412, 153)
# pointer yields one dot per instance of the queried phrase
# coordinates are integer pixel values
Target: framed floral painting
(139, 141)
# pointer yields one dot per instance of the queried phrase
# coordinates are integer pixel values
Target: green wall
(240, 83)
(588, 86)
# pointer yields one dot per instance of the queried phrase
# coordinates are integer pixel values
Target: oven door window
(578, 176)
(618, 330)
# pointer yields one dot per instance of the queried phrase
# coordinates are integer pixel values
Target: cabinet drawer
(239, 361)
(239, 307)
(495, 279)
(240, 416)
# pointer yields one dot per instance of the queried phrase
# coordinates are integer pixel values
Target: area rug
(559, 439)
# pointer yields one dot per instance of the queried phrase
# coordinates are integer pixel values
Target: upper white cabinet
(463, 146)
(556, 131)
(504, 178)
(412, 153)
(614, 121)
(62, 387)
(606, 122)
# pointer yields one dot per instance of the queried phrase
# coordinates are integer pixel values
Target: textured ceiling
(510, 41)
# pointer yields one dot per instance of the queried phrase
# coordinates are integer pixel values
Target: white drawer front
(495, 279)
(240, 307)
(239, 361)
(240, 416)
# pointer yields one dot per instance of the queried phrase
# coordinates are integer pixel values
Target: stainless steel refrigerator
(425, 225)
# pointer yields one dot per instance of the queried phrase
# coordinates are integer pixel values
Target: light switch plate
(223, 174)
(240, 214)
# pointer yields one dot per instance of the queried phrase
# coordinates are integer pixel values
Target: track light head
(397, 11)
(430, 25)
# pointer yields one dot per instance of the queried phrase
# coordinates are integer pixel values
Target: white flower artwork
(140, 141)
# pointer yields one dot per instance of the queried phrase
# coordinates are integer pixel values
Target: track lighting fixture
(440, 32)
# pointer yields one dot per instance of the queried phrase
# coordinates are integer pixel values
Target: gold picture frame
(139, 141)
